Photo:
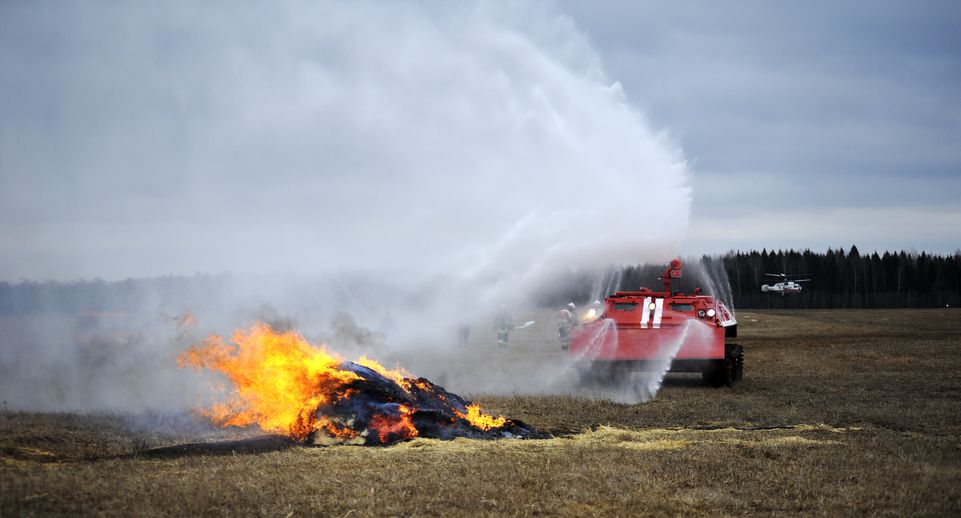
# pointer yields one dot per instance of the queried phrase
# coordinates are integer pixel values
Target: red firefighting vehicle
(649, 330)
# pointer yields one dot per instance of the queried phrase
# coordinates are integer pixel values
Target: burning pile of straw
(285, 385)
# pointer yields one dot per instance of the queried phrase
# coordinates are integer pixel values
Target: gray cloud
(808, 108)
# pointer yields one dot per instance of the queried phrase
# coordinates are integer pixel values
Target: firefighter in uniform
(463, 334)
(502, 326)
(566, 321)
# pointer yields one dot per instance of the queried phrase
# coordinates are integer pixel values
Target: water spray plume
(349, 135)
(413, 165)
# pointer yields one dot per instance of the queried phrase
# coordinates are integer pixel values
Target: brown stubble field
(840, 413)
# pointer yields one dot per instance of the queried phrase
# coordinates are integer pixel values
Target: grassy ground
(840, 412)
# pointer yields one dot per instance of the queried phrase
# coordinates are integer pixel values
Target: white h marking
(658, 312)
(646, 313)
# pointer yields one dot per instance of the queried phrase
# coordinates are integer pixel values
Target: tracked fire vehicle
(649, 330)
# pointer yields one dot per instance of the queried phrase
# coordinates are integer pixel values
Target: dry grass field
(840, 413)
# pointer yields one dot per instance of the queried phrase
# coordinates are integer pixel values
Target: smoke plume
(412, 165)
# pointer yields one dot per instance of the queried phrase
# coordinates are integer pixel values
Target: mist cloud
(373, 174)
(304, 137)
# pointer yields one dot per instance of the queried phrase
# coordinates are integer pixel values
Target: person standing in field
(463, 334)
(502, 326)
(566, 320)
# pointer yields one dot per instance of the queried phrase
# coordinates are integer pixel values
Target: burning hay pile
(285, 385)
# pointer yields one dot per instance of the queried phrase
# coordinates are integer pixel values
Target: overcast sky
(808, 124)
(145, 139)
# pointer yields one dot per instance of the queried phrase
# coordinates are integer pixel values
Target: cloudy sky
(810, 124)
(142, 139)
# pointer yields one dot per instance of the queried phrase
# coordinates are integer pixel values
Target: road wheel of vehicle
(722, 373)
(712, 376)
(738, 355)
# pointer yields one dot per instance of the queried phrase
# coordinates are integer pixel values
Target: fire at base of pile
(378, 410)
(285, 385)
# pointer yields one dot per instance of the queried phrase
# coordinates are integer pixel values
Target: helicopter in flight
(786, 286)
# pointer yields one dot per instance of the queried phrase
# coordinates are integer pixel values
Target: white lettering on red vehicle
(646, 313)
(658, 312)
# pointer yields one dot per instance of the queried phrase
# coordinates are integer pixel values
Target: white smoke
(455, 155)
(472, 139)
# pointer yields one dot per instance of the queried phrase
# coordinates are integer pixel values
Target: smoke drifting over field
(448, 157)
(470, 140)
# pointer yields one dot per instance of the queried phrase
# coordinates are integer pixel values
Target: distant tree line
(838, 280)
(845, 280)
(32, 297)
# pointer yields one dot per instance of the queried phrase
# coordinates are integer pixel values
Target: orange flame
(398, 375)
(402, 428)
(280, 380)
(479, 419)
